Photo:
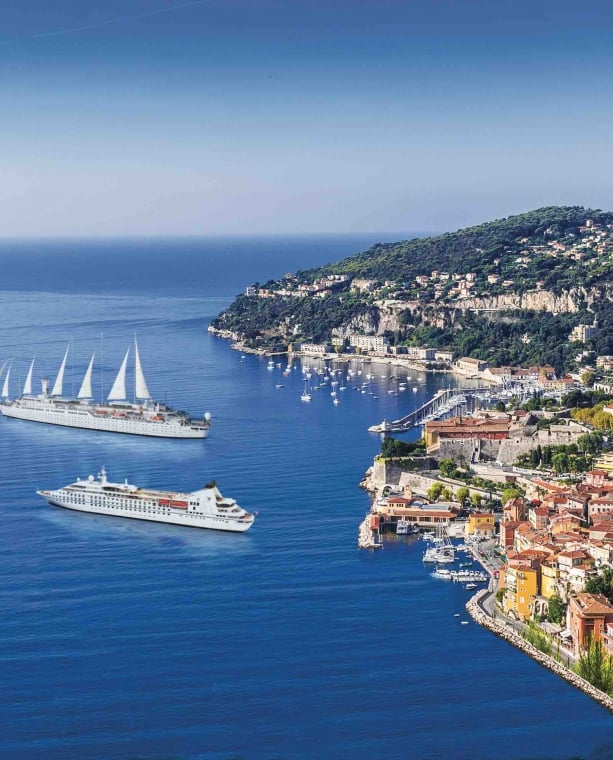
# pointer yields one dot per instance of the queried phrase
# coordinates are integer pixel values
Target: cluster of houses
(593, 241)
(554, 541)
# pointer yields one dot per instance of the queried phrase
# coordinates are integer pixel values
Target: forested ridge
(509, 291)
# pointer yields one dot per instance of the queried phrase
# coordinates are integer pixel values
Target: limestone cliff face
(534, 300)
(363, 324)
(394, 316)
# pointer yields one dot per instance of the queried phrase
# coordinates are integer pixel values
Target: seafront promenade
(483, 609)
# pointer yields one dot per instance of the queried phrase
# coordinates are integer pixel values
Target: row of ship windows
(78, 499)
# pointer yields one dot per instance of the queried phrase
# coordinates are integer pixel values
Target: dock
(446, 401)
(368, 533)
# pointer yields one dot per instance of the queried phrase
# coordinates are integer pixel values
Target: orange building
(588, 617)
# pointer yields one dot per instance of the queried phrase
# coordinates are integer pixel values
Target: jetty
(368, 533)
(445, 401)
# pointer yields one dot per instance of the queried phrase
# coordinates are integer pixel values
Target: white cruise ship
(118, 415)
(205, 508)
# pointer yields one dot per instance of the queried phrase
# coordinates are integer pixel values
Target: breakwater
(501, 630)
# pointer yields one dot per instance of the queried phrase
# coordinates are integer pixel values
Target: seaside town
(509, 488)
(525, 490)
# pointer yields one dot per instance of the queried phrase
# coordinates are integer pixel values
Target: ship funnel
(45, 385)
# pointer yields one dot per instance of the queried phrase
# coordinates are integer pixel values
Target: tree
(462, 494)
(560, 462)
(587, 378)
(510, 493)
(557, 610)
(476, 500)
(446, 467)
(596, 666)
(601, 584)
(434, 491)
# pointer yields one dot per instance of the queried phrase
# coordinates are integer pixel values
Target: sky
(243, 117)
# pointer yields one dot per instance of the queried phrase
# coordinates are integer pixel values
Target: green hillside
(509, 291)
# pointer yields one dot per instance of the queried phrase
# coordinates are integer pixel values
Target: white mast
(59, 380)
(118, 391)
(5, 387)
(140, 386)
(86, 386)
(27, 386)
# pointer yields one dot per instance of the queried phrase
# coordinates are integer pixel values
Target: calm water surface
(127, 640)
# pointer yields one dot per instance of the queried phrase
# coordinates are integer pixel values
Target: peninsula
(528, 289)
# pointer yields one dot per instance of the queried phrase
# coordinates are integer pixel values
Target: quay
(368, 533)
(446, 401)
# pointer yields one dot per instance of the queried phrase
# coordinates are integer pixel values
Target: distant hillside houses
(583, 333)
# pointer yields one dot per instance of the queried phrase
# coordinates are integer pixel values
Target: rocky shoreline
(502, 631)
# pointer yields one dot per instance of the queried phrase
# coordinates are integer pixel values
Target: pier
(443, 402)
(368, 533)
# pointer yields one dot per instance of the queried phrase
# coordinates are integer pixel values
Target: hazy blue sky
(275, 116)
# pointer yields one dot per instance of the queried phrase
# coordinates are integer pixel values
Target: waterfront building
(470, 366)
(463, 428)
(374, 343)
(589, 617)
(481, 525)
(521, 590)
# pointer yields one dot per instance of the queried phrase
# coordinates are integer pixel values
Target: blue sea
(145, 641)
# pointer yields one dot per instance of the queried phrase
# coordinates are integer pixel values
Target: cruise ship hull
(209, 522)
(81, 416)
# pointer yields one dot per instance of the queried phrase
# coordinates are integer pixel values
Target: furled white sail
(140, 386)
(85, 390)
(118, 391)
(58, 386)
(5, 387)
(27, 386)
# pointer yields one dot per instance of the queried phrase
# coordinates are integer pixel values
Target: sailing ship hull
(83, 416)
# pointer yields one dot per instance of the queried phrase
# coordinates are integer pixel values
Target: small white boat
(336, 402)
(279, 385)
(402, 527)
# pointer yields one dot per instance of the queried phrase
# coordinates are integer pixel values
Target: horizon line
(206, 236)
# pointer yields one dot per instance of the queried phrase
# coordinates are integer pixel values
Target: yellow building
(521, 590)
(481, 524)
(550, 578)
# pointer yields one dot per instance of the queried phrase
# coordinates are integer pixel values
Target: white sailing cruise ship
(205, 508)
(118, 415)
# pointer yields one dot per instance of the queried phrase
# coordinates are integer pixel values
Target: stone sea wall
(513, 638)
